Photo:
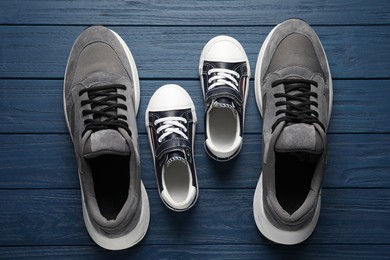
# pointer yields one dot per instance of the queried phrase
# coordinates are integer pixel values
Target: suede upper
(293, 52)
(97, 59)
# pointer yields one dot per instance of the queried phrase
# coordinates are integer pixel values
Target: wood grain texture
(227, 12)
(222, 217)
(47, 161)
(36, 106)
(173, 52)
(40, 200)
(247, 252)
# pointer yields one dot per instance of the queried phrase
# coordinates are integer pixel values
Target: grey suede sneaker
(293, 89)
(101, 99)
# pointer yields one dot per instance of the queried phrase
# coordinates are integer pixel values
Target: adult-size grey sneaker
(101, 99)
(293, 89)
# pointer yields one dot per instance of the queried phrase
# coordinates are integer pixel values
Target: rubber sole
(128, 240)
(273, 233)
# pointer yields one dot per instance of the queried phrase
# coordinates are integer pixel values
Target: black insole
(111, 176)
(293, 175)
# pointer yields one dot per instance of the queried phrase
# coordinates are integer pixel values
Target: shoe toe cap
(170, 97)
(224, 49)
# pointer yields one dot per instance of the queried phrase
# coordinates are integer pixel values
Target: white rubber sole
(259, 64)
(206, 49)
(273, 233)
(134, 72)
(128, 240)
(195, 119)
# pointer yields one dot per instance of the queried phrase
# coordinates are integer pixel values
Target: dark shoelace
(298, 104)
(104, 103)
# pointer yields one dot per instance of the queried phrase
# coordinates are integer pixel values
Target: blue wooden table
(40, 203)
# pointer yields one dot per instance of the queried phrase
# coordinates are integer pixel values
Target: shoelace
(104, 104)
(298, 104)
(223, 77)
(170, 125)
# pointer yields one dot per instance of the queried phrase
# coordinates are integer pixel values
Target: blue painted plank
(202, 252)
(47, 161)
(38, 221)
(227, 12)
(53, 217)
(39, 191)
(36, 106)
(173, 52)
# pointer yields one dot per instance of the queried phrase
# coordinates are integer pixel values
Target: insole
(293, 175)
(223, 127)
(177, 180)
(111, 176)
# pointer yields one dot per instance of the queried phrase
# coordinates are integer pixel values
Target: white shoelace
(223, 77)
(171, 124)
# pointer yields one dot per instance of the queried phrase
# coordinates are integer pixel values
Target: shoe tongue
(299, 138)
(223, 103)
(107, 141)
(174, 157)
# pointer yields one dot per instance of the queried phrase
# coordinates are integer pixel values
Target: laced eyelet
(297, 102)
(171, 125)
(104, 102)
(223, 77)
